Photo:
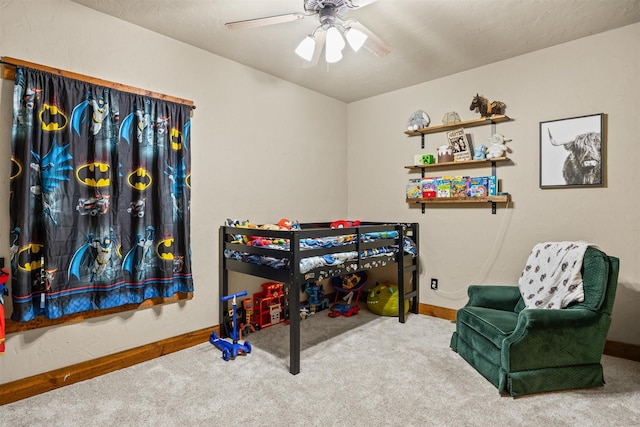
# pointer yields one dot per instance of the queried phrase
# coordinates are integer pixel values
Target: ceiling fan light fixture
(306, 48)
(335, 41)
(356, 38)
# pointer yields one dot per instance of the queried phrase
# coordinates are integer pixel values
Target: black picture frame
(572, 152)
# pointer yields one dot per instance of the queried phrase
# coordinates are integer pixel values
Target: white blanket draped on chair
(551, 277)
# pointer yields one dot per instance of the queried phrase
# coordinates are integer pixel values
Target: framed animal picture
(571, 152)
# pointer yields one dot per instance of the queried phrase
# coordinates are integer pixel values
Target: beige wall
(464, 245)
(256, 155)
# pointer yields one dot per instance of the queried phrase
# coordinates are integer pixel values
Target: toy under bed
(314, 252)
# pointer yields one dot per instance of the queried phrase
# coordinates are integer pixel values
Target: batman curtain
(100, 197)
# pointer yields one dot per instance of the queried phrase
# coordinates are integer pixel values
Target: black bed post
(413, 294)
(223, 279)
(415, 271)
(401, 291)
(294, 305)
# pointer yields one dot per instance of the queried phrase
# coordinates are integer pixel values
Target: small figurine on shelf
(481, 105)
(479, 152)
(450, 118)
(445, 154)
(497, 147)
(418, 120)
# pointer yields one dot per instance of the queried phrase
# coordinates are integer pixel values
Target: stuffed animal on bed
(341, 223)
(283, 224)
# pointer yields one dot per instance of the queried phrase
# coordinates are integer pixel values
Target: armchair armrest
(493, 296)
(556, 319)
(565, 337)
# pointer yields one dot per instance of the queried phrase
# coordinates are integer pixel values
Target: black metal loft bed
(292, 276)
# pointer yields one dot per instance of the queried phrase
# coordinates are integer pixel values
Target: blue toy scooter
(231, 349)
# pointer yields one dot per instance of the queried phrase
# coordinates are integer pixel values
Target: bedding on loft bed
(322, 254)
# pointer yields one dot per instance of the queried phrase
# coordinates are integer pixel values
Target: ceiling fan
(333, 29)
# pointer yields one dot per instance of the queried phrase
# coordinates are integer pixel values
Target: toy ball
(383, 300)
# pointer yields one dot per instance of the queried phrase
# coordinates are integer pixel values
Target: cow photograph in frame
(571, 152)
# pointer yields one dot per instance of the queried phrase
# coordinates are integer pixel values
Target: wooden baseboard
(622, 350)
(435, 311)
(41, 383)
(611, 348)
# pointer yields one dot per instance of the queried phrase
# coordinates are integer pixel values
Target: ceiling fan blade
(374, 43)
(269, 20)
(320, 36)
(362, 3)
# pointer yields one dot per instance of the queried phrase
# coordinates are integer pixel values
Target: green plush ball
(383, 300)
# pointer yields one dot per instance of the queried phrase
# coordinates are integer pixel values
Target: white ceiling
(429, 38)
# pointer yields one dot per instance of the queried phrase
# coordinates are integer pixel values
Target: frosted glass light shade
(306, 48)
(332, 55)
(356, 38)
(334, 39)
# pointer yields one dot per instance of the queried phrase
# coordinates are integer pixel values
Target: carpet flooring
(359, 371)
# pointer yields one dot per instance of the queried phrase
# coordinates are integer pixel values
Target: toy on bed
(341, 223)
(283, 224)
(349, 286)
(383, 300)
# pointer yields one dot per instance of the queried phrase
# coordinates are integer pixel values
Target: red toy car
(343, 310)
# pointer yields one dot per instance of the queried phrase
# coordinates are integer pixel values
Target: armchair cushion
(493, 325)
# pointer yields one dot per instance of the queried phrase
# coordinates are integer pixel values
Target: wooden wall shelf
(444, 200)
(459, 165)
(493, 200)
(465, 124)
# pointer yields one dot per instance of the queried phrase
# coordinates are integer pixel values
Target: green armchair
(523, 351)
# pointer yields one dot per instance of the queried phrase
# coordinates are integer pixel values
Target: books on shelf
(414, 188)
(452, 186)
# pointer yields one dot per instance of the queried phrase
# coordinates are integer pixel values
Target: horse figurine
(481, 105)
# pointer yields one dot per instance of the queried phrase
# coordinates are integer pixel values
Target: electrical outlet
(434, 284)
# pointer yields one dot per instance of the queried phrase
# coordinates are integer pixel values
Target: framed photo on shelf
(458, 141)
(571, 152)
